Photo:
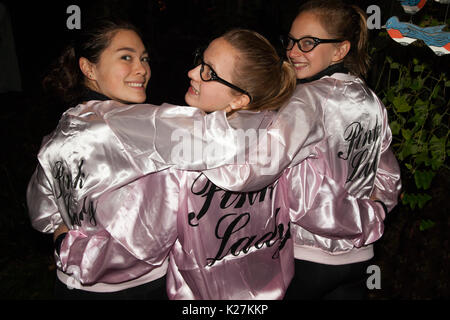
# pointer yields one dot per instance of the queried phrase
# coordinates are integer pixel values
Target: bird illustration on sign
(412, 6)
(406, 33)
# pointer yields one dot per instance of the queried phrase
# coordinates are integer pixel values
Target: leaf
(426, 224)
(419, 68)
(420, 103)
(436, 120)
(436, 163)
(408, 200)
(423, 199)
(408, 149)
(420, 113)
(414, 200)
(423, 158)
(407, 82)
(416, 84)
(401, 104)
(438, 152)
(435, 92)
(433, 107)
(390, 95)
(395, 127)
(406, 134)
(423, 179)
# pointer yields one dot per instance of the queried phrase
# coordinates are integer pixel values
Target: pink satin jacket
(338, 125)
(353, 156)
(126, 227)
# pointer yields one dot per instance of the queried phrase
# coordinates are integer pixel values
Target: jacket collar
(334, 68)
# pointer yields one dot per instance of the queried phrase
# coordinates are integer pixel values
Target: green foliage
(426, 224)
(417, 102)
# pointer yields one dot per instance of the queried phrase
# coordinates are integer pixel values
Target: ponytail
(65, 79)
(287, 83)
(260, 71)
(358, 60)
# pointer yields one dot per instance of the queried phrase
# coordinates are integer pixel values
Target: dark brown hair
(65, 79)
(260, 71)
(344, 21)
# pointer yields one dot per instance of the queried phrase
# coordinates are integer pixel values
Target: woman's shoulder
(346, 85)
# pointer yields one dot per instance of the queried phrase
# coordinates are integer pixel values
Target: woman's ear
(342, 50)
(240, 102)
(87, 68)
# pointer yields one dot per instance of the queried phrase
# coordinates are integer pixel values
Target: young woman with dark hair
(107, 64)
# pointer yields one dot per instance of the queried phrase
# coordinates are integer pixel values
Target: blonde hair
(260, 71)
(343, 21)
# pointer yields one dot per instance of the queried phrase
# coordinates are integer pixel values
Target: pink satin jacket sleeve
(324, 208)
(129, 235)
(214, 142)
(387, 185)
(42, 207)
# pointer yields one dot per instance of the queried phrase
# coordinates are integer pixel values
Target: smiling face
(210, 96)
(123, 71)
(308, 64)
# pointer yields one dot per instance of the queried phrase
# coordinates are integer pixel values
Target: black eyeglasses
(207, 74)
(305, 44)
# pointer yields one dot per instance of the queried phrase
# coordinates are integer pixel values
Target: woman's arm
(323, 207)
(42, 207)
(135, 227)
(388, 184)
(158, 137)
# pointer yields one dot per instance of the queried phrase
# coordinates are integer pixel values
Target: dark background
(414, 264)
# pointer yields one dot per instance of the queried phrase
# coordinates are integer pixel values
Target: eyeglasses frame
(317, 41)
(214, 76)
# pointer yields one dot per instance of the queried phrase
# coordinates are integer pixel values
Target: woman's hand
(62, 229)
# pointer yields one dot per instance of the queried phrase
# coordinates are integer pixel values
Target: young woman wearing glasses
(327, 45)
(351, 177)
(233, 245)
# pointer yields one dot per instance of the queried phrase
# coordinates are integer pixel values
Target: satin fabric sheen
(120, 233)
(85, 164)
(341, 127)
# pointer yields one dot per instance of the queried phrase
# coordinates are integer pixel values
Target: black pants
(315, 281)
(155, 290)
